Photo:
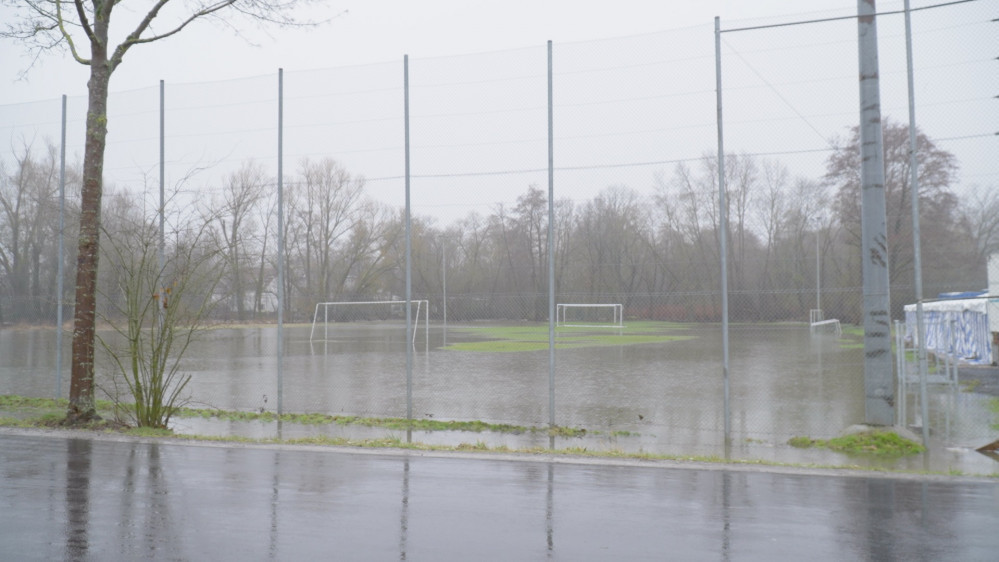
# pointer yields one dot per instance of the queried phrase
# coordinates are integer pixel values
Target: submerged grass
(388, 423)
(47, 409)
(534, 337)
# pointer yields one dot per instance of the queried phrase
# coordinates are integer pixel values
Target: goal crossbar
(421, 305)
(617, 312)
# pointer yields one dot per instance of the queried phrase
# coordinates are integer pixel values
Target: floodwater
(664, 398)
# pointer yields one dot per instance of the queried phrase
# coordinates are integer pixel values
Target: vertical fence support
(551, 249)
(722, 235)
(878, 388)
(62, 251)
(162, 207)
(443, 293)
(916, 251)
(818, 270)
(161, 243)
(409, 252)
(280, 211)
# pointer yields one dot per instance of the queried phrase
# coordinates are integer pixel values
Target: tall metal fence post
(722, 235)
(916, 249)
(409, 253)
(280, 211)
(444, 294)
(162, 207)
(161, 243)
(551, 249)
(878, 388)
(62, 251)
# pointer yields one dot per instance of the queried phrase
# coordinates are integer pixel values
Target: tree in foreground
(80, 26)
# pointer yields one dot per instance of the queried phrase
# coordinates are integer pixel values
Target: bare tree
(364, 260)
(80, 26)
(469, 267)
(532, 225)
(233, 213)
(267, 215)
(980, 218)
(937, 170)
(29, 231)
(613, 234)
(326, 209)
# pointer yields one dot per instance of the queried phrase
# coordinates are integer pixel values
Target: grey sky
(634, 93)
(384, 30)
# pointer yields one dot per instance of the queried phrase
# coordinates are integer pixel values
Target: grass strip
(534, 337)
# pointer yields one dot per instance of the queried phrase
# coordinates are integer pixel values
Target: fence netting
(636, 223)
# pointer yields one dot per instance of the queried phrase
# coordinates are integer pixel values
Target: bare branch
(44, 25)
(83, 24)
(136, 38)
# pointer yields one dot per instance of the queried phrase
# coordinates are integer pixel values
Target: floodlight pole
(878, 388)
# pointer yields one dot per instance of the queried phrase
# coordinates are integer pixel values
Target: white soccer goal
(572, 315)
(353, 311)
(817, 322)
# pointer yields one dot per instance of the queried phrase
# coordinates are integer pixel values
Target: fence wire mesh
(636, 223)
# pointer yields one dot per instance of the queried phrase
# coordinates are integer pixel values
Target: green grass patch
(149, 432)
(15, 402)
(534, 337)
(419, 424)
(12, 402)
(624, 433)
(48, 412)
(873, 443)
(7, 421)
(852, 337)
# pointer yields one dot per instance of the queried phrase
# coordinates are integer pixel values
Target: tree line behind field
(655, 251)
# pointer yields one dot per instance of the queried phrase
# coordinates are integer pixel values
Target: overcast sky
(384, 30)
(634, 93)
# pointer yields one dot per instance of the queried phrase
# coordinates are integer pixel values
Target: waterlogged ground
(651, 387)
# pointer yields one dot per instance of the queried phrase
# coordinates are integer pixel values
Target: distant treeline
(655, 251)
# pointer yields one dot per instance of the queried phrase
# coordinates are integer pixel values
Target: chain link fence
(636, 223)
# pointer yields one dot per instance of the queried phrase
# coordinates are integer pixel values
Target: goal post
(579, 315)
(817, 321)
(323, 309)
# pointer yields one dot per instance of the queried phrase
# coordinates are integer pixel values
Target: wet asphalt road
(124, 499)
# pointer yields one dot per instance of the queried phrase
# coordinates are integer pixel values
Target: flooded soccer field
(653, 387)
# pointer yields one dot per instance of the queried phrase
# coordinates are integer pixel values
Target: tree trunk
(81, 390)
